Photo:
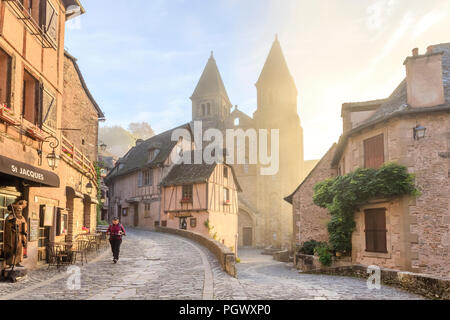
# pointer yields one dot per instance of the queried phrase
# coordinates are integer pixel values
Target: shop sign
(28, 172)
(34, 229)
(183, 215)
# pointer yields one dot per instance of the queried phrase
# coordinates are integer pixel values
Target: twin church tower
(264, 217)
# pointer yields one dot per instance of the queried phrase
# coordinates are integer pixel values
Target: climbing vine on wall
(343, 196)
(98, 166)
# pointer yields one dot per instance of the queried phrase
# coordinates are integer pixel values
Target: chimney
(425, 87)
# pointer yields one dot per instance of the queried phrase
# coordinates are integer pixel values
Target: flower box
(36, 133)
(186, 200)
(227, 202)
(8, 116)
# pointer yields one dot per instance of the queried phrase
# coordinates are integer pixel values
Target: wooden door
(136, 215)
(248, 237)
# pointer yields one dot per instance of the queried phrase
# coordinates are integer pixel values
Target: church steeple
(277, 93)
(275, 70)
(210, 99)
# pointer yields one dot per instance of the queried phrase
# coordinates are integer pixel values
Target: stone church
(265, 219)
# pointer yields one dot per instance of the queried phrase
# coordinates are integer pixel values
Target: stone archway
(246, 225)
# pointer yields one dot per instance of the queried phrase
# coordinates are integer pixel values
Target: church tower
(210, 102)
(277, 109)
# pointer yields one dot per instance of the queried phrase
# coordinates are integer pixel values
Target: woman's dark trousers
(115, 247)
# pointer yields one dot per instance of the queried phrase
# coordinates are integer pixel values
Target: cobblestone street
(160, 266)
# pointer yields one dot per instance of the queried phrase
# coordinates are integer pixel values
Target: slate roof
(184, 173)
(210, 82)
(397, 105)
(137, 157)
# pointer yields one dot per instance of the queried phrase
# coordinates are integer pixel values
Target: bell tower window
(208, 109)
(203, 109)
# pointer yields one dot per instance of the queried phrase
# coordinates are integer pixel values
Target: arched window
(203, 110)
(236, 121)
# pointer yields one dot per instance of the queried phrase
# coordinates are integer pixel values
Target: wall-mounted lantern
(89, 187)
(419, 132)
(52, 157)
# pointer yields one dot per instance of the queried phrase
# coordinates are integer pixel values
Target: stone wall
(310, 221)
(419, 228)
(225, 256)
(79, 113)
(432, 287)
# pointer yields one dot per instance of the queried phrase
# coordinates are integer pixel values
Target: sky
(142, 59)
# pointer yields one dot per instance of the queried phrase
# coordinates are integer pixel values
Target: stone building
(134, 183)
(412, 128)
(264, 218)
(310, 221)
(32, 112)
(207, 196)
(148, 189)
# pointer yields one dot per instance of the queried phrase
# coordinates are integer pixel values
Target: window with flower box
(226, 196)
(5, 78)
(187, 194)
(31, 99)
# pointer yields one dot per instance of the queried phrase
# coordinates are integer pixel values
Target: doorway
(136, 215)
(43, 236)
(183, 223)
(247, 237)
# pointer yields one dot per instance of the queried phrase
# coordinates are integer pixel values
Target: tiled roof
(193, 173)
(396, 104)
(137, 157)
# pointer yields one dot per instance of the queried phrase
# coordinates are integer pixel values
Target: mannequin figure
(15, 234)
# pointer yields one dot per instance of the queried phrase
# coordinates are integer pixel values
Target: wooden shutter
(150, 177)
(49, 20)
(38, 87)
(374, 152)
(48, 109)
(8, 82)
(140, 176)
(375, 229)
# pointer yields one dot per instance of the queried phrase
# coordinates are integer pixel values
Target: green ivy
(98, 166)
(343, 196)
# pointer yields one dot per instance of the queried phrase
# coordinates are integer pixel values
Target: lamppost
(52, 157)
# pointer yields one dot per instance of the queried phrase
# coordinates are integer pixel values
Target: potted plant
(35, 132)
(7, 115)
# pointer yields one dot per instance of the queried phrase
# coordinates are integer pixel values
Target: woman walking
(115, 232)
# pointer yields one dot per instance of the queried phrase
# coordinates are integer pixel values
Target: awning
(28, 172)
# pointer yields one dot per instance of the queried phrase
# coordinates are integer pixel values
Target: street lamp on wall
(89, 187)
(419, 132)
(52, 157)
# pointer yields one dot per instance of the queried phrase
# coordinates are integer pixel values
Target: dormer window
(152, 153)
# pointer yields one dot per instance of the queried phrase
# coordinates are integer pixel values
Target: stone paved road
(162, 266)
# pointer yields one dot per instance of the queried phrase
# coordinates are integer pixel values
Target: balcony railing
(76, 158)
(32, 25)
